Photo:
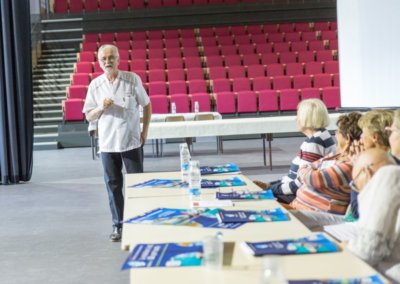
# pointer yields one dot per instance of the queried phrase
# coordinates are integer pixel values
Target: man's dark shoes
(116, 235)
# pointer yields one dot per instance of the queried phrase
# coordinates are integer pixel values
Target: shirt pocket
(130, 101)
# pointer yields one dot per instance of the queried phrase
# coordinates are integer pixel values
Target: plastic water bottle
(194, 180)
(213, 248)
(196, 106)
(272, 271)
(185, 160)
(173, 108)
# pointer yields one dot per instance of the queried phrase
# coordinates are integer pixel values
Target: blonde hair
(375, 122)
(396, 119)
(105, 46)
(312, 113)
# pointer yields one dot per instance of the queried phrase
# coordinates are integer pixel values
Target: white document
(212, 203)
(342, 232)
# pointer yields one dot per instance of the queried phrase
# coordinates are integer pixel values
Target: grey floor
(54, 229)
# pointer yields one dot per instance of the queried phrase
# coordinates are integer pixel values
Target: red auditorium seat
(123, 44)
(107, 37)
(91, 37)
(333, 26)
(247, 102)
(303, 27)
(336, 80)
(238, 30)
(203, 99)
(188, 42)
(328, 35)
(139, 45)
(225, 103)
(301, 81)
(264, 48)
(310, 93)
(153, 53)
(84, 67)
(89, 46)
(281, 82)
(286, 27)
(331, 67)
(195, 74)
(75, 6)
(274, 70)
(215, 60)
(169, 3)
(124, 65)
(176, 74)
(322, 80)
(138, 64)
(181, 102)
(159, 104)
(172, 52)
(313, 67)
(275, 37)
(228, 49)
(251, 59)
(294, 69)
(324, 55)
(80, 79)
(171, 34)
(156, 63)
(321, 26)
(200, 2)
(216, 72)
(241, 84)
(106, 5)
(77, 92)
(333, 44)
(121, 4)
(73, 109)
(261, 84)
(155, 35)
(155, 44)
(236, 72)
(269, 58)
(139, 35)
(287, 57)
(316, 45)
(221, 85)
(308, 36)
(142, 74)
(87, 56)
(255, 70)
(185, 2)
(190, 51)
(246, 49)
(187, 33)
(331, 97)
(210, 50)
(192, 62)
(221, 31)
(281, 47)
(137, 4)
(299, 46)
(96, 67)
(172, 43)
(267, 101)
(177, 87)
(259, 38)
(242, 39)
(289, 99)
(154, 3)
(206, 32)
(306, 56)
(232, 60)
(124, 54)
(197, 86)
(254, 29)
(61, 6)
(271, 28)
(156, 75)
(225, 40)
(157, 88)
(293, 37)
(91, 6)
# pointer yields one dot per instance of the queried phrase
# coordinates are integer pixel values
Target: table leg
(269, 138)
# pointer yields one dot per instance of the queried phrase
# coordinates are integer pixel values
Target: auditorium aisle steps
(50, 79)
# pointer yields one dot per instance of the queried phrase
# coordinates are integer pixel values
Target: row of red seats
(227, 102)
(157, 72)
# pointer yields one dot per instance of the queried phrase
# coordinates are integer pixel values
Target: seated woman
(326, 182)
(378, 238)
(312, 118)
(394, 136)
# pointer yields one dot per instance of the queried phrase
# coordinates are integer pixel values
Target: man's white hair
(105, 46)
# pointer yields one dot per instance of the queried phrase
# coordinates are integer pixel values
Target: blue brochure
(374, 279)
(165, 255)
(314, 244)
(182, 217)
(244, 216)
(219, 169)
(245, 195)
(177, 183)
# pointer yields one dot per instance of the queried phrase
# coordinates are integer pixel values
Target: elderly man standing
(113, 100)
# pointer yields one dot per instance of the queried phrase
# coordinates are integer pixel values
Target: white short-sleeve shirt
(119, 125)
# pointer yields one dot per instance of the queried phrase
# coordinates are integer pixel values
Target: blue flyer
(245, 195)
(219, 169)
(374, 279)
(244, 216)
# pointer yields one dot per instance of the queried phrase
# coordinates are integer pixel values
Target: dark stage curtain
(16, 100)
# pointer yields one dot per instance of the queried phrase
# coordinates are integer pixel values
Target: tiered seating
(237, 69)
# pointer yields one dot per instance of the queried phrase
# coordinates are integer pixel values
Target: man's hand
(107, 103)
